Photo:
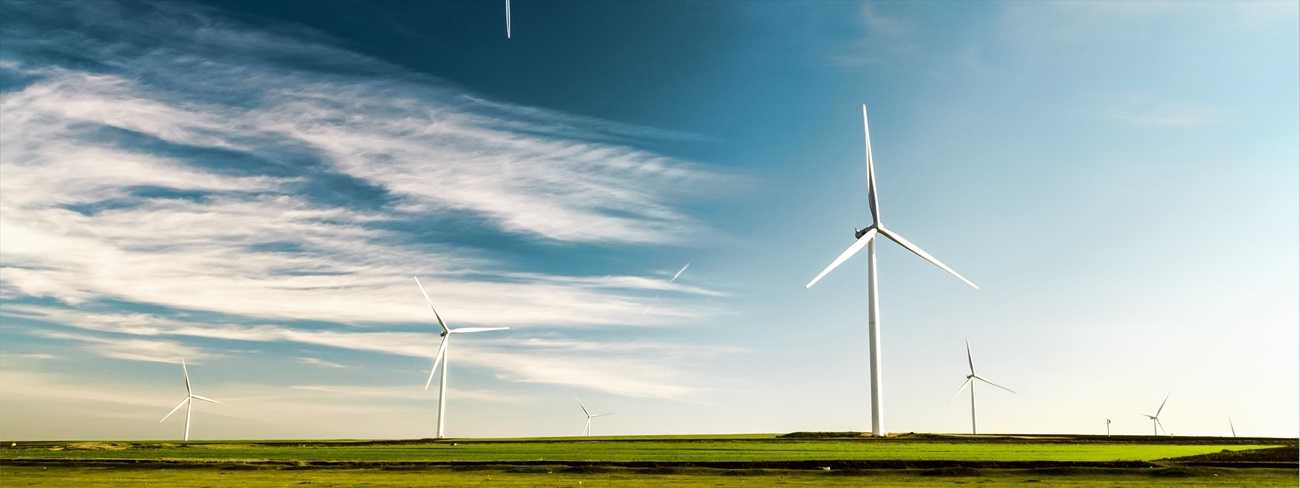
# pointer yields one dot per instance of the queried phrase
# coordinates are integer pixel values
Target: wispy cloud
(884, 36)
(1050, 24)
(132, 349)
(631, 368)
(236, 174)
(320, 363)
(235, 182)
(1148, 111)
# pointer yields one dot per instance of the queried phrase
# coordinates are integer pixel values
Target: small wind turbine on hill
(441, 357)
(188, 402)
(586, 431)
(867, 238)
(970, 381)
(1155, 419)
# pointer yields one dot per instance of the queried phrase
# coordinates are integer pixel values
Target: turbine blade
(959, 390)
(848, 253)
(602, 414)
(468, 330)
(916, 250)
(178, 407)
(187, 376)
(1162, 404)
(969, 361)
(1161, 425)
(1230, 426)
(206, 399)
(679, 272)
(437, 359)
(507, 19)
(871, 172)
(584, 407)
(435, 309)
(986, 380)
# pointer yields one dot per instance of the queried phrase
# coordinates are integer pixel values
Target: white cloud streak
(637, 369)
(79, 221)
(226, 176)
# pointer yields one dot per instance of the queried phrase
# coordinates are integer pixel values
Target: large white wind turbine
(441, 357)
(970, 381)
(587, 430)
(188, 402)
(867, 238)
(1155, 419)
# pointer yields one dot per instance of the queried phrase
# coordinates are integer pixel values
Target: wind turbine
(970, 380)
(188, 402)
(867, 238)
(679, 273)
(1155, 419)
(442, 355)
(587, 430)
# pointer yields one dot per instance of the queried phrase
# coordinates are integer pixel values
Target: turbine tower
(1155, 419)
(441, 357)
(970, 381)
(867, 238)
(586, 431)
(188, 402)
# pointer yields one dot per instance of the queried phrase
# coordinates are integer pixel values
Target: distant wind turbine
(187, 402)
(441, 357)
(507, 19)
(866, 238)
(586, 431)
(970, 381)
(1155, 419)
(679, 273)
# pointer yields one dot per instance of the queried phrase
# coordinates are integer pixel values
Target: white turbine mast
(188, 402)
(970, 381)
(867, 238)
(1155, 419)
(441, 357)
(586, 431)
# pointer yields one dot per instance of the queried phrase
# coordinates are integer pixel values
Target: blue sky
(252, 185)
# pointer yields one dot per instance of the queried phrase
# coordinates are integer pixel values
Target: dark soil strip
(780, 465)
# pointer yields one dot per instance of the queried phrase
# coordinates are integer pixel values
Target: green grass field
(748, 460)
(620, 451)
(541, 476)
